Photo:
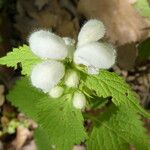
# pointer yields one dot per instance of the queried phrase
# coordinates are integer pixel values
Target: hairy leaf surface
(60, 120)
(108, 84)
(117, 129)
(21, 55)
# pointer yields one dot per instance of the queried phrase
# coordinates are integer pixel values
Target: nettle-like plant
(71, 96)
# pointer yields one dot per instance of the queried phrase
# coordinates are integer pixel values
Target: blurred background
(127, 27)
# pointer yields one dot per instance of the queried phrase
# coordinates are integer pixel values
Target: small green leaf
(117, 129)
(108, 84)
(21, 55)
(60, 120)
(143, 8)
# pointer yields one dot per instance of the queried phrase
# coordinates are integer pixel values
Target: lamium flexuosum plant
(67, 90)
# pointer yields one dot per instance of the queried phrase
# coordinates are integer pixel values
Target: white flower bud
(47, 45)
(56, 92)
(95, 55)
(47, 74)
(92, 31)
(72, 79)
(79, 100)
(70, 45)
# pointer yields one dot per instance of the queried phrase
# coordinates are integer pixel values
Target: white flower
(70, 45)
(56, 92)
(72, 79)
(48, 45)
(47, 74)
(79, 100)
(95, 55)
(92, 31)
(90, 53)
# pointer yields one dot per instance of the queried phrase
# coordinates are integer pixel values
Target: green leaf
(25, 97)
(63, 122)
(60, 120)
(117, 129)
(42, 139)
(108, 84)
(143, 7)
(143, 48)
(21, 55)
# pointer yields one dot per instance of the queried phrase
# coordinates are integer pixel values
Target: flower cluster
(54, 50)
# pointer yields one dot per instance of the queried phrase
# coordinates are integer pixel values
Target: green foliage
(144, 49)
(143, 8)
(108, 84)
(42, 139)
(25, 97)
(117, 129)
(65, 122)
(59, 119)
(61, 125)
(21, 55)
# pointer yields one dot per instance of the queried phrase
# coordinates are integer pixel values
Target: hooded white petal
(47, 74)
(79, 100)
(56, 92)
(47, 45)
(70, 43)
(72, 79)
(92, 31)
(96, 55)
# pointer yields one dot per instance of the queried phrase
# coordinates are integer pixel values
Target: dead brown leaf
(1, 146)
(53, 16)
(2, 98)
(132, 1)
(5, 34)
(22, 136)
(41, 3)
(69, 5)
(126, 55)
(30, 146)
